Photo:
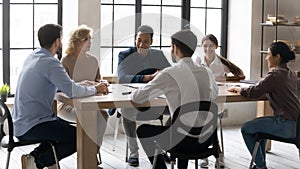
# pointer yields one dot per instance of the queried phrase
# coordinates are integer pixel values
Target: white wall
(89, 14)
(239, 52)
(77, 12)
(239, 33)
(70, 19)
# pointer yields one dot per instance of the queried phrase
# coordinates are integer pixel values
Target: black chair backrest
(196, 119)
(297, 141)
(6, 116)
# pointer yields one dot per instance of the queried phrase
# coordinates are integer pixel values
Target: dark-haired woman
(280, 87)
(220, 66)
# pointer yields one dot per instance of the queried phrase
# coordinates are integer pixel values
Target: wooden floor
(282, 156)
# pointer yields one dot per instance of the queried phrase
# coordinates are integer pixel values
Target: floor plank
(236, 154)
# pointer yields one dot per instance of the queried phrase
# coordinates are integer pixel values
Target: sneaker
(166, 158)
(204, 163)
(99, 161)
(99, 167)
(221, 162)
(133, 162)
(28, 162)
(254, 167)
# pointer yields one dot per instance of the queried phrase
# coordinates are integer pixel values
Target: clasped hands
(101, 87)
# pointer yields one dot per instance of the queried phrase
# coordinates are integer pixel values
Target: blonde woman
(83, 68)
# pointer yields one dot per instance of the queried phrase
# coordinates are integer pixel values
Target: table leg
(86, 140)
(54, 107)
(264, 109)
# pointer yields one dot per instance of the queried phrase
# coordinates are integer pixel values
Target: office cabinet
(277, 21)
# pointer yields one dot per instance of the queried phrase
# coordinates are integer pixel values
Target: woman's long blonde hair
(76, 36)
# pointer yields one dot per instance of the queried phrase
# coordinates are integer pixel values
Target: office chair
(9, 141)
(260, 136)
(206, 132)
(112, 111)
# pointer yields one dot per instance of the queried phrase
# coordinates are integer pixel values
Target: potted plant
(4, 90)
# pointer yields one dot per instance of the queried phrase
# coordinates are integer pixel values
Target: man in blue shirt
(42, 75)
(139, 64)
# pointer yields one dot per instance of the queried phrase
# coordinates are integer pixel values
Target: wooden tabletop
(117, 98)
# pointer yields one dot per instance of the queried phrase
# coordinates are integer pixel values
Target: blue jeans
(58, 130)
(275, 125)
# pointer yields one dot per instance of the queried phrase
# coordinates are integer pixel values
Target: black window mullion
(113, 36)
(60, 20)
(33, 14)
(185, 14)
(160, 24)
(205, 21)
(6, 33)
(138, 14)
(6, 42)
(224, 27)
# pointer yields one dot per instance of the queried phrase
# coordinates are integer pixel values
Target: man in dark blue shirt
(139, 64)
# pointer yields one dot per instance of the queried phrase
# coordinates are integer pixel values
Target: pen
(130, 86)
(126, 93)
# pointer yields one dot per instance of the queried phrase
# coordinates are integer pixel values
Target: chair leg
(116, 133)
(254, 154)
(218, 163)
(221, 130)
(55, 156)
(155, 158)
(99, 157)
(172, 164)
(161, 121)
(7, 160)
(196, 163)
(126, 156)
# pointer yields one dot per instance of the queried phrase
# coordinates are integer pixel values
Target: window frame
(6, 33)
(185, 15)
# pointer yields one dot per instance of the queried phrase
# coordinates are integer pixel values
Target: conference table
(119, 97)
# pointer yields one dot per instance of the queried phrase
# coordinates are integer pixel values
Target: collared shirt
(280, 87)
(182, 83)
(132, 66)
(217, 67)
(41, 76)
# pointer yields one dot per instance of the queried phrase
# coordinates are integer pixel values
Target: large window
(120, 19)
(21, 21)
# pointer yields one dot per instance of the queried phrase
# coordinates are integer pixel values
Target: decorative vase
(3, 97)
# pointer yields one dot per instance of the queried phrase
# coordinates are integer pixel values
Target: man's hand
(102, 88)
(148, 78)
